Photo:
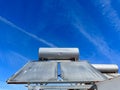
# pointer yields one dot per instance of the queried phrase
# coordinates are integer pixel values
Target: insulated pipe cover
(106, 68)
(58, 54)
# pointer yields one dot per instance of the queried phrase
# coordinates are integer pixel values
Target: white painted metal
(106, 68)
(59, 53)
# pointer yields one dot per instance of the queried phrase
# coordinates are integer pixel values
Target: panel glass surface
(36, 72)
(42, 72)
(80, 71)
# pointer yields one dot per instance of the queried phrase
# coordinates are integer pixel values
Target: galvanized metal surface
(80, 71)
(113, 84)
(58, 53)
(35, 72)
(106, 68)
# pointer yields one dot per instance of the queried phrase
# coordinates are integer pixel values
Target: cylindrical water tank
(58, 53)
(106, 68)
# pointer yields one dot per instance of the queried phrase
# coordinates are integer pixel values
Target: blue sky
(93, 26)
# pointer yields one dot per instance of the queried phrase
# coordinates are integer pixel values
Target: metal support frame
(62, 87)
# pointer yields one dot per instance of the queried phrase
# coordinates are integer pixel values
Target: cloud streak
(97, 40)
(108, 12)
(25, 32)
(100, 44)
(12, 58)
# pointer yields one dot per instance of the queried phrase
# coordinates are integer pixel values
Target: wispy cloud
(100, 44)
(25, 32)
(108, 12)
(12, 58)
(97, 39)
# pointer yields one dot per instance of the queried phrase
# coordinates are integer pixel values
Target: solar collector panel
(36, 72)
(45, 72)
(80, 71)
